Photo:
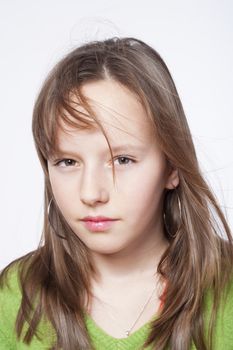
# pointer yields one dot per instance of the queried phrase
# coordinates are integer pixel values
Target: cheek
(61, 191)
(146, 181)
(144, 191)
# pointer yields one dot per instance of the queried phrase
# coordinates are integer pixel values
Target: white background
(195, 38)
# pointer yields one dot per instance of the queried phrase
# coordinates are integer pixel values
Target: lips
(98, 223)
(97, 218)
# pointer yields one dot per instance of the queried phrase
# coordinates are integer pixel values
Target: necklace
(128, 332)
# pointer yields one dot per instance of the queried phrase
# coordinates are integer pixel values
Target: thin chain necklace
(128, 332)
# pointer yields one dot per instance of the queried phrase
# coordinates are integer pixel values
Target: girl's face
(82, 181)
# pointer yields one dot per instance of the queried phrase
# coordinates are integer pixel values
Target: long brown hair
(200, 254)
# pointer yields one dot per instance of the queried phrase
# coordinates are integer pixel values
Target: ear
(172, 179)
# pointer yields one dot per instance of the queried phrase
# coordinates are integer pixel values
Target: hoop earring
(180, 214)
(50, 221)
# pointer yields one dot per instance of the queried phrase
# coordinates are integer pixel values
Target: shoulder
(10, 302)
(10, 299)
(10, 291)
(223, 328)
(9, 285)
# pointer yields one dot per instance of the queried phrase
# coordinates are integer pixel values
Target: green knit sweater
(10, 298)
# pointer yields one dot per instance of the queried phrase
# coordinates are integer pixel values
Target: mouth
(98, 224)
(98, 218)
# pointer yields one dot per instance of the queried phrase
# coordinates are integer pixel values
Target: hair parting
(55, 278)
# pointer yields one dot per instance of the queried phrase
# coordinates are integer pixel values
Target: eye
(66, 162)
(123, 160)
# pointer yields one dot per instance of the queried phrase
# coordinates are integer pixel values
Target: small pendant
(127, 333)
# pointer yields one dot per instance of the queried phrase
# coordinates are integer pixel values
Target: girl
(135, 252)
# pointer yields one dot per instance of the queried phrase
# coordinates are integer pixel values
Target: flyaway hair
(55, 278)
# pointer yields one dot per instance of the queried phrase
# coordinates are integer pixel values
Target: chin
(105, 249)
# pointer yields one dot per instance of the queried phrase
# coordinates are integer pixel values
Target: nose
(93, 188)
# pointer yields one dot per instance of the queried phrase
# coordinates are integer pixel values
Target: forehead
(116, 108)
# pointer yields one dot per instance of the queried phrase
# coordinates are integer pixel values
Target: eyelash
(57, 163)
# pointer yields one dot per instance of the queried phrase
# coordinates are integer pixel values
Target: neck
(138, 261)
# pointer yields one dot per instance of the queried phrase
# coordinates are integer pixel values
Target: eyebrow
(119, 148)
